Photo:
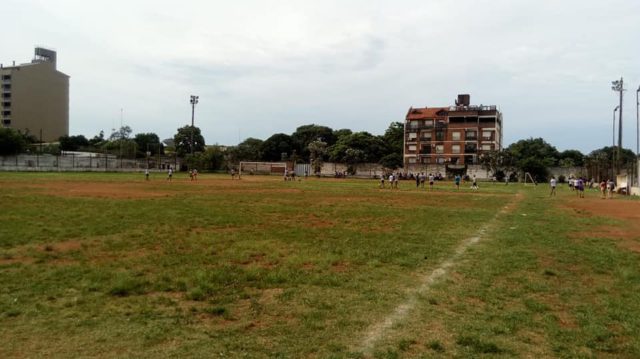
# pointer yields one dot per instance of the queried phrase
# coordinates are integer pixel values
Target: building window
(486, 147)
(6, 113)
(486, 135)
(6, 87)
(455, 135)
(413, 148)
(426, 160)
(412, 160)
(426, 136)
(470, 148)
(6, 77)
(440, 135)
(425, 150)
(6, 122)
(413, 124)
(455, 149)
(412, 136)
(439, 148)
(6, 104)
(428, 122)
(440, 160)
(471, 136)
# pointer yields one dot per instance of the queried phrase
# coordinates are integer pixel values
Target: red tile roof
(427, 112)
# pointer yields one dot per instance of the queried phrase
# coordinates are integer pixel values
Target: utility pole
(613, 143)
(194, 101)
(637, 137)
(618, 86)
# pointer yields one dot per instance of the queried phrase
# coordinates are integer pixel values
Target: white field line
(379, 329)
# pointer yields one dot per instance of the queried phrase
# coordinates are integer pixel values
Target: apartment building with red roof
(453, 136)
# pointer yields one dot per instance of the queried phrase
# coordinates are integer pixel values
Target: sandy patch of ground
(627, 234)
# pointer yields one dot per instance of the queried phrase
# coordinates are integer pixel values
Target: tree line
(316, 144)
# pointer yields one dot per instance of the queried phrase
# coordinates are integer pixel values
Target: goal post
(528, 180)
(262, 168)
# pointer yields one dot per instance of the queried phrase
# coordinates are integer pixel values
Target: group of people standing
(578, 185)
(422, 178)
(393, 180)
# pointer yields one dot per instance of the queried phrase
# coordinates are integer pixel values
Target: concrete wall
(97, 163)
(372, 170)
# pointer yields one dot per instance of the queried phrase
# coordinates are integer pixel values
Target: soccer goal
(262, 168)
(528, 180)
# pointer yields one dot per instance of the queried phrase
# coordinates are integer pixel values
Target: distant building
(453, 136)
(34, 97)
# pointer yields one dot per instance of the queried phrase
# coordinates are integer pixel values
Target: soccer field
(110, 265)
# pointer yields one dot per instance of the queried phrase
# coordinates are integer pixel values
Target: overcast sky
(263, 67)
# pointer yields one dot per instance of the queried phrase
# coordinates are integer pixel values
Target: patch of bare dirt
(340, 266)
(626, 235)
(122, 190)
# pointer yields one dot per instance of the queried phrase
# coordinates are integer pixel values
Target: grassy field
(110, 265)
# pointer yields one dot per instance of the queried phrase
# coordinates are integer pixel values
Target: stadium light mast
(637, 123)
(613, 143)
(194, 101)
(637, 137)
(618, 86)
(613, 137)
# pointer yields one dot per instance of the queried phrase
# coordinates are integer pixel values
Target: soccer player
(603, 189)
(456, 179)
(431, 179)
(170, 174)
(382, 181)
(474, 185)
(552, 183)
(146, 174)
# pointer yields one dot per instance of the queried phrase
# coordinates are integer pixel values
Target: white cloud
(265, 67)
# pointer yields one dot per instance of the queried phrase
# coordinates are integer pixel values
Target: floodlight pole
(637, 123)
(613, 135)
(637, 136)
(194, 101)
(618, 86)
(613, 143)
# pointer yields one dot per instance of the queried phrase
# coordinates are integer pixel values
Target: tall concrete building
(453, 136)
(34, 97)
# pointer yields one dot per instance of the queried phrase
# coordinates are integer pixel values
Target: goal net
(262, 168)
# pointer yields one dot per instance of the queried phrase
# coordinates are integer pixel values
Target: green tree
(571, 158)
(211, 159)
(391, 161)
(600, 163)
(306, 134)
(73, 143)
(97, 140)
(276, 147)
(394, 138)
(122, 133)
(344, 132)
(533, 155)
(317, 151)
(12, 142)
(148, 142)
(372, 147)
(182, 140)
